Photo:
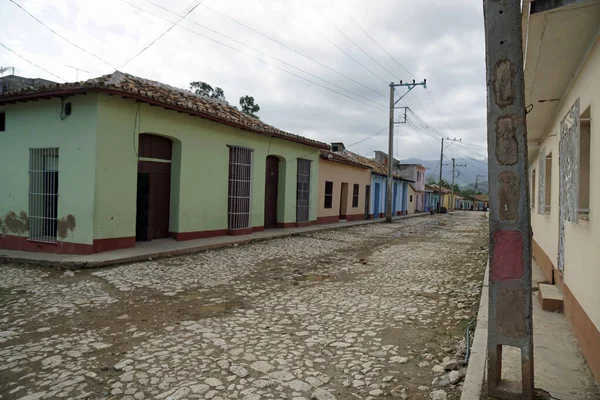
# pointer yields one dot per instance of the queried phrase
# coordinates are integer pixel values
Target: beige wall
(339, 173)
(582, 252)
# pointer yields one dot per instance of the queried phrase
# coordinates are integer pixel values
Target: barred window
(43, 194)
(355, 190)
(240, 183)
(303, 191)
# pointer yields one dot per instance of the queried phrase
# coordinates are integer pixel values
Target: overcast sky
(441, 41)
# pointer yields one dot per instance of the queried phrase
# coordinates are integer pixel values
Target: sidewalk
(168, 247)
(559, 367)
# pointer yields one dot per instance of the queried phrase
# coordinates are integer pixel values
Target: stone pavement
(560, 370)
(376, 310)
(169, 247)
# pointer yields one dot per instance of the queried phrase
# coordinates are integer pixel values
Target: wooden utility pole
(510, 309)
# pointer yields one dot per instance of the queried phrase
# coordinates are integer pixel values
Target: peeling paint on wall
(65, 225)
(14, 223)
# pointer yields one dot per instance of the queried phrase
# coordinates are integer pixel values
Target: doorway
(377, 202)
(271, 190)
(344, 201)
(367, 200)
(153, 188)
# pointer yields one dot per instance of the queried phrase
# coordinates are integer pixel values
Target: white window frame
(238, 214)
(43, 174)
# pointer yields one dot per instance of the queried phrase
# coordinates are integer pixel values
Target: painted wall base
(586, 333)
(21, 243)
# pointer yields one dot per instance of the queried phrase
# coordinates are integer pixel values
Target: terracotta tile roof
(157, 93)
(377, 168)
(482, 197)
(435, 189)
(342, 157)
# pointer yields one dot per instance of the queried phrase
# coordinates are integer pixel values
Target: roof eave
(22, 97)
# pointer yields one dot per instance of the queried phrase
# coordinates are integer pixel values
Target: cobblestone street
(373, 311)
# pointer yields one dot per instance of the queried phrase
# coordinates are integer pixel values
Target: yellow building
(344, 188)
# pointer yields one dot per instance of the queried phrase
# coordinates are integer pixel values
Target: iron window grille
(303, 191)
(355, 193)
(240, 187)
(43, 194)
(328, 194)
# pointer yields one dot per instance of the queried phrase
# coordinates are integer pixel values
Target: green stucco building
(98, 165)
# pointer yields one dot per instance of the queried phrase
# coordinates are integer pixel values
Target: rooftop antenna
(4, 69)
(77, 71)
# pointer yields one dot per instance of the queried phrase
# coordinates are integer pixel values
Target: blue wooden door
(394, 201)
(376, 203)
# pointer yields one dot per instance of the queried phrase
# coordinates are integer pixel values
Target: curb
(80, 263)
(477, 362)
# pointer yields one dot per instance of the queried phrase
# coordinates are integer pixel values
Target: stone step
(551, 299)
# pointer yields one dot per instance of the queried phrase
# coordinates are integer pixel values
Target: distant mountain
(465, 176)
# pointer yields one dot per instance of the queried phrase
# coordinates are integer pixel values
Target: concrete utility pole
(510, 309)
(454, 166)
(390, 176)
(475, 190)
(439, 205)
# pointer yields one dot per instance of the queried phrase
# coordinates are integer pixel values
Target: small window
(2, 121)
(533, 192)
(328, 194)
(355, 190)
(411, 198)
(548, 183)
(585, 126)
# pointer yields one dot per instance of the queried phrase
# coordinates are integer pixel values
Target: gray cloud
(440, 41)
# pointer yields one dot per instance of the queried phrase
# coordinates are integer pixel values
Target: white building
(562, 89)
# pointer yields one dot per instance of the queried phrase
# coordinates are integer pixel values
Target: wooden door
(271, 190)
(154, 194)
(154, 187)
(367, 200)
(344, 200)
(141, 214)
(377, 202)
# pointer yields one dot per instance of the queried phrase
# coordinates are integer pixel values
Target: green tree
(248, 106)
(204, 89)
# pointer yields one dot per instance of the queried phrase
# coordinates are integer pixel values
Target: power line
(438, 109)
(258, 59)
(373, 40)
(60, 36)
(367, 138)
(352, 41)
(30, 62)
(290, 48)
(174, 24)
(396, 61)
(261, 52)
